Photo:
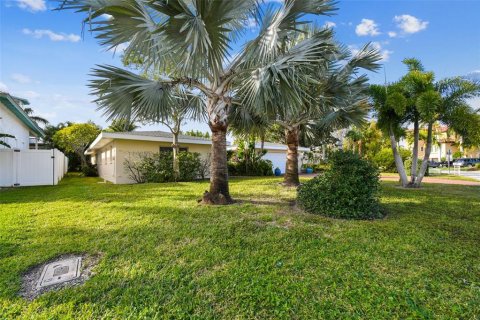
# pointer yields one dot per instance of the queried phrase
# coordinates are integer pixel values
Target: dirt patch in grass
(30, 278)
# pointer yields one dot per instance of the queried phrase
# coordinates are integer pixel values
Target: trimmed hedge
(347, 190)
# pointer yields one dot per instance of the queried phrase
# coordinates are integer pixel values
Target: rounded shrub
(348, 189)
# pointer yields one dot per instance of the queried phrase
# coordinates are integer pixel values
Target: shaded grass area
(165, 256)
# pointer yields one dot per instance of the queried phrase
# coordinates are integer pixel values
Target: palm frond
(121, 93)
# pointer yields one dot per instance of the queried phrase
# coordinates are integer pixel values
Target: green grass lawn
(165, 256)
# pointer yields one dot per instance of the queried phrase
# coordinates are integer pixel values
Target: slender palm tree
(190, 43)
(37, 119)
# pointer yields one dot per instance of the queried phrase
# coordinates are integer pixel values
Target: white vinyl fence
(31, 167)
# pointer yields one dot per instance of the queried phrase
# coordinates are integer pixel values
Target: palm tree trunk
(176, 160)
(416, 134)
(398, 159)
(219, 192)
(291, 175)
(426, 157)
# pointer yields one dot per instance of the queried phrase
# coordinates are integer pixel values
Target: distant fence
(31, 167)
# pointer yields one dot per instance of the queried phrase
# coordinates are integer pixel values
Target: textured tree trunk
(291, 178)
(398, 159)
(426, 157)
(176, 160)
(416, 134)
(219, 192)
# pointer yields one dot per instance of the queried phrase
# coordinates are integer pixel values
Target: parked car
(466, 162)
(433, 164)
(446, 163)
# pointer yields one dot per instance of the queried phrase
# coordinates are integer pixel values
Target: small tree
(76, 138)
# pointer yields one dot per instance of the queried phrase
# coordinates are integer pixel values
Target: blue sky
(45, 58)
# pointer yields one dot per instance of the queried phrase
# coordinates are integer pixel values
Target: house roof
(11, 103)
(160, 136)
(273, 146)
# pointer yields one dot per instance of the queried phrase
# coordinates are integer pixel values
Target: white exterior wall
(10, 124)
(110, 158)
(279, 159)
(31, 167)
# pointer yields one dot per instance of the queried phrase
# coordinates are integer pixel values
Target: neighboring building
(445, 140)
(14, 121)
(277, 153)
(110, 149)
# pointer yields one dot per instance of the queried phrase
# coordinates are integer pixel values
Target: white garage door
(278, 159)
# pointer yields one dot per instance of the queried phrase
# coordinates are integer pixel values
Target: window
(170, 149)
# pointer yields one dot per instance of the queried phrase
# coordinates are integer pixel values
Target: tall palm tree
(190, 43)
(37, 119)
(418, 99)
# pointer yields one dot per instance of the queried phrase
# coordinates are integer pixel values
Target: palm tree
(418, 99)
(190, 43)
(122, 125)
(37, 119)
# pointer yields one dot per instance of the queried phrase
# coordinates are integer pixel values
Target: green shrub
(477, 166)
(242, 168)
(408, 165)
(348, 189)
(385, 160)
(89, 170)
(158, 167)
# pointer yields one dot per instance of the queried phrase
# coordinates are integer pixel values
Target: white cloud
(3, 87)
(20, 78)
(38, 34)
(330, 24)
(30, 95)
(383, 52)
(120, 48)
(392, 34)
(367, 27)
(32, 5)
(410, 24)
(107, 16)
(251, 23)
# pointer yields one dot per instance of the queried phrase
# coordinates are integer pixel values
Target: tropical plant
(3, 136)
(337, 100)
(349, 189)
(122, 125)
(418, 99)
(190, 44)
(76, 138)
(197, 133)
(37, 119)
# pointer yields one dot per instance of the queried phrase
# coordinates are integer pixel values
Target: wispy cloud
(3, 87)
(330, 24)
(40, 33)
(32, 5)
(410, 24)
(392, 34)
(367, 27)
(20, 78)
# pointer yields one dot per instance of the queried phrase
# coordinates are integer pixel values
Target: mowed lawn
(165, 256)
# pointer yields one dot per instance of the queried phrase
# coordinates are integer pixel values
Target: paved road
(436, 180)
(471, 174)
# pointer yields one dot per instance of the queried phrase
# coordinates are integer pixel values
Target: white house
(277, 153)
(110, 150)
(14, 121)
(20, 166)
